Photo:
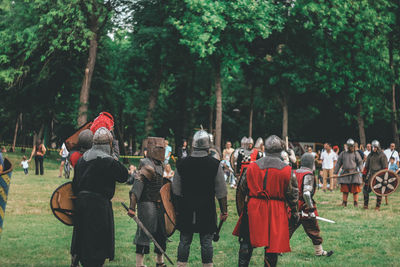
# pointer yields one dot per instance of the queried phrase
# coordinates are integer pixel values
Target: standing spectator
(359, 150)
(310, 150)
(336, 150)
(391, 152)
(227, 153)
(183, 151)
(393, 166)
(64, 155)
(328, 158)
(25, 165)
(367, 151)
(168, 152)
(168, 172)
(38, 151)
(132, 173)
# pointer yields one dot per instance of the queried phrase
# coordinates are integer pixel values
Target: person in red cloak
(268, 185)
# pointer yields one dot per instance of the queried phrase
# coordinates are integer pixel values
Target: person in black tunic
(198, 180)
(95, 175)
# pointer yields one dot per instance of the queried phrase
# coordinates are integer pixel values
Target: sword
(317, 217)
(141, 226)
(346, 174)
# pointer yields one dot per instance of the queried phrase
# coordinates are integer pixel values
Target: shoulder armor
(146, 168)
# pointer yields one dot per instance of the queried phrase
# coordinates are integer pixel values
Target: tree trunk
(218, 106)
(394, 109)
(130, 144)
(182, 96)
(16, 132)
(361, 127)
(285, 116)
(210, 111)
(121, 140)
(251, 111)
(155, 88)
(87, 78)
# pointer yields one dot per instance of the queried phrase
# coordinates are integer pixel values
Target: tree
(351, 58)
(217, 31)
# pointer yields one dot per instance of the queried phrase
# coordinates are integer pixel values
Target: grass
(32, 236)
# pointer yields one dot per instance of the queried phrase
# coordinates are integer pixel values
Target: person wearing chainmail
(198, 180)
(145, 193)
(376, 161)
(307, 206)
(95, 176)
(235, 154)
(258, 146)
(246, 156)
(350, 161)
(268, 186)
(85, 140)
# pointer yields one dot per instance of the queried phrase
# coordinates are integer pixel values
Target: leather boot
(181, 264)
(208, 264)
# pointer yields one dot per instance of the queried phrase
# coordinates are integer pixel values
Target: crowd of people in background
(325, 160)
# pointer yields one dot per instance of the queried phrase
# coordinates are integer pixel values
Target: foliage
(325, 58)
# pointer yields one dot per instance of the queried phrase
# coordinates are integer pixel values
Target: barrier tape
(57, 150)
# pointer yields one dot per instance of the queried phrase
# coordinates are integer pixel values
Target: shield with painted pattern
(384, 182)
(6, 168)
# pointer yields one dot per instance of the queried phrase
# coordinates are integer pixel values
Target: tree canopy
(311, 70)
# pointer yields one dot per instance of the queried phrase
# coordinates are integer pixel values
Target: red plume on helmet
(104, 119)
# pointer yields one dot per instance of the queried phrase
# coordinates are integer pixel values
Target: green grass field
(32, 236)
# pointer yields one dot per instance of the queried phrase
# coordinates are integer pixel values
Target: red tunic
(268, 217)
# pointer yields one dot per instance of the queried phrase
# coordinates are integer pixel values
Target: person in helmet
(198, 180)
(307, 206)
(246, 156)
(145, 194)
(267, 186)
(85, 140)
(95, 177)
(259, 145)
(350, 161)
(376, 161)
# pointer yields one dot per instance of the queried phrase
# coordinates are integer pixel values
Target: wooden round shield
(384, 182)
(61, 203)
(169, 209)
